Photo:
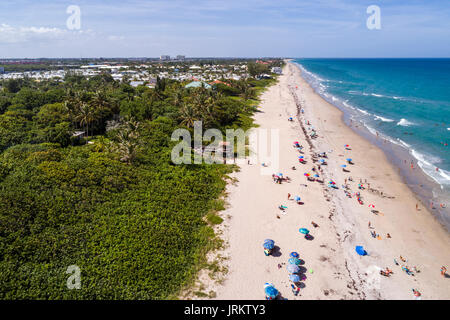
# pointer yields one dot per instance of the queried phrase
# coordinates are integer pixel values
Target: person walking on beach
(443, 271)
(416, 294)
(417, 206)
(289, 196)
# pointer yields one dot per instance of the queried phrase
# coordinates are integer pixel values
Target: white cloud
(116, 38)
(11, 34)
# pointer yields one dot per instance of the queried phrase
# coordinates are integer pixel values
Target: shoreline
(331, 268)
(420, 183)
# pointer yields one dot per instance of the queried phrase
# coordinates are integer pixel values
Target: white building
(277, 70)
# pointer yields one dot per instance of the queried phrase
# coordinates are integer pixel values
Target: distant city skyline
(306, 28)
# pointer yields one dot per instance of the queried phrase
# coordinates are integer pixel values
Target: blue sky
(227, 28)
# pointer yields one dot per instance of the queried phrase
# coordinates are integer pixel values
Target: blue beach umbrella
(297, 198)
(294, 277)
(269, 244)
(303, 230)
(271, 292)
(316, 175)
(295, 261)
(349, 159)
(322, 160)
(360, 250)
(343, 166)
(294, 254)
(292, 268)
(300, 157)
(280, 174)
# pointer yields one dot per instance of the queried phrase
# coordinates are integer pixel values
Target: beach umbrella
(280, 174)
(316, 175)
(331, 182)
(300, 157)
(360, 250)
(294, 277)
(306, 174)
(294, 254)
(292, 268)
(343, 165)
(303, 230)
(297, 198)
(349, 159)
(271, 292)
(269, 244)
(295, 142)
(295, 261)
(371, 206)
(347, 146)
(322, 160)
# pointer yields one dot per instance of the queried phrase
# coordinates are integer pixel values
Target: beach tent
(270, 291)
(294, 277)
(292, 268)
(360, 250)
(294, 254)
(269, 244)
(303, 230)
(295, 261)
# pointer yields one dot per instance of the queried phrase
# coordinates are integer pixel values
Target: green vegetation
(137, 225)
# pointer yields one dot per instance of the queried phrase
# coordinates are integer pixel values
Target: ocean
(407, 101)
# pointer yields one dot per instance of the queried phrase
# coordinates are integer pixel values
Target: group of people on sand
(361, 188)
(279, 178)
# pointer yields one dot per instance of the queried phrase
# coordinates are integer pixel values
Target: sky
(227, 28)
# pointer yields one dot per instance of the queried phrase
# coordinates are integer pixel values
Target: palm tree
(188, 115)
(248, 93)
(127, 141)
(85, 116)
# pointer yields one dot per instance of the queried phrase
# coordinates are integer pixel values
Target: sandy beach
(331, 269)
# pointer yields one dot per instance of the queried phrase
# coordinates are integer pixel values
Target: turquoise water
(407, 101)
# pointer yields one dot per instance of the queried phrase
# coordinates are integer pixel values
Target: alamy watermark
(74, 280)
(74, 20)
(373, 277)
(262, 149)
(374, 20)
